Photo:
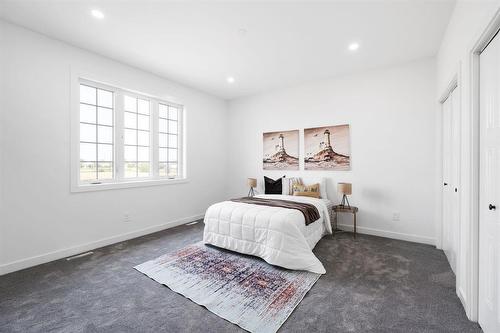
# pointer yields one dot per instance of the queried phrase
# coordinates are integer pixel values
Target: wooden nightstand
(344, 209)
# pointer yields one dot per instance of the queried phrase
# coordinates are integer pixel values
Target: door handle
(492, 207)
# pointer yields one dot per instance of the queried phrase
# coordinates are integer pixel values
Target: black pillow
(273, 186)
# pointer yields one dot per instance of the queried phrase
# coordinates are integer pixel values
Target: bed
(278, 235)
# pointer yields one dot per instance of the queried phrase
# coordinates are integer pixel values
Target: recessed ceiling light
(230, 79)
(353, 46)
(97, 14)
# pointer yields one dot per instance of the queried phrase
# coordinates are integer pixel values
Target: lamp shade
(252, 182)
(344, 188)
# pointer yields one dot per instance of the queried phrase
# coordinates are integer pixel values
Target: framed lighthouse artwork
(281, 150)
(327, 148)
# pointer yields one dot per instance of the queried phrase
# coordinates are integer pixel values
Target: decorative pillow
(322, 184)
(288, 184)
(310, 190)
(307, 194)
(272, 186)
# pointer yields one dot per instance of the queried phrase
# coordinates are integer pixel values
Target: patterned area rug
(245, 290)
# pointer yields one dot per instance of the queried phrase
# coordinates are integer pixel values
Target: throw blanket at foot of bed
(278, 235)
(309, 211)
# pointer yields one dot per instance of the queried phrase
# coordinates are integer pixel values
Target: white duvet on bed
(277, 235)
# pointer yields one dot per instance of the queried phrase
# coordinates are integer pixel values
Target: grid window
(96, 134)
(168, 141)
(123, 138)
(136, 136)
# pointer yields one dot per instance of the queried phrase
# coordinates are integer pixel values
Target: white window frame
(118, 140)
(153, 103)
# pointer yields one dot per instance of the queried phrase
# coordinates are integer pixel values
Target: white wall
(43, 220)
(2, 88)
(391, 116)
(468, 21)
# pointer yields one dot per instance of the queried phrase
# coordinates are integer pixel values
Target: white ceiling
(199, 43)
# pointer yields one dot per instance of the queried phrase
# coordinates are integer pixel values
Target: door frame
(452, 85)
(486, 36)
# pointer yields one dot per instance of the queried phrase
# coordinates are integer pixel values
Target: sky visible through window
(138, 152)
(96, 134)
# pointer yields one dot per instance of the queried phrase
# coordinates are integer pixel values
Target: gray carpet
(372, 284)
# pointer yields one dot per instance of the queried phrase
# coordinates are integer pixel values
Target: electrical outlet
(396, 216)
(126, 217)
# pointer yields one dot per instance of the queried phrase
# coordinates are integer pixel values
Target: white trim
(390, 234)
(454, 84)
(127, 184)
(183, 143)
(472, 308)
(462, 296)
(472, 289)
(63, 253)
(154, 144)
(78, 77)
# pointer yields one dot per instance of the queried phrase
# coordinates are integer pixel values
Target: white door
(451, 177)
(447, 178)
(455, 177)
(489, 200)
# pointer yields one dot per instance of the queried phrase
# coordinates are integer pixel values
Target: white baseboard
(63, 253)
(389, 234)
(463, 300)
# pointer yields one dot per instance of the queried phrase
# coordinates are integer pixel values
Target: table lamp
(345, 189)
(252, 182)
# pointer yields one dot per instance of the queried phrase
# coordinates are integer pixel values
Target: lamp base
(345, 202)
(251, 193)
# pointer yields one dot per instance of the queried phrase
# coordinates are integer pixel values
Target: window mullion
(181, 172)
(119, 136)
(154, 125)
(97, 136)
(136, 137)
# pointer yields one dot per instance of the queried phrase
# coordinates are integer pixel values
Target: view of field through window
(96, 134)
(137, 137)
(168, 140)
(129, 151)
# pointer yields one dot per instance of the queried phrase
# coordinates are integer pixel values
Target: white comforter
(277, 235)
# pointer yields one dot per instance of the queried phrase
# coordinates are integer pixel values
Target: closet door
(447, 195)
(451, 177)
(454, 187)
(489, 192)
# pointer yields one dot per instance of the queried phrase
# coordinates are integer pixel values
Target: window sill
(126, 184)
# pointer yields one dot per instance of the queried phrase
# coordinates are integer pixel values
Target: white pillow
(287, 183)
